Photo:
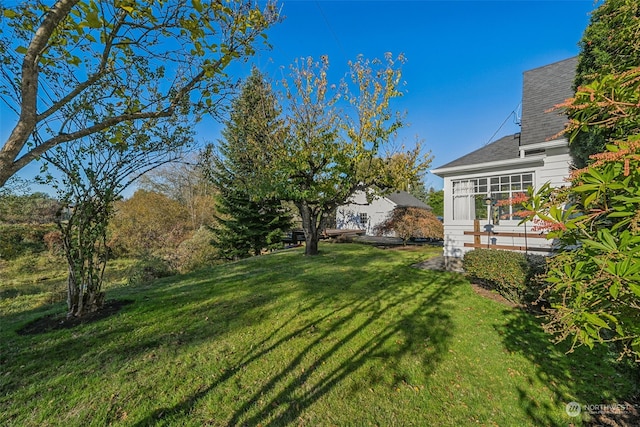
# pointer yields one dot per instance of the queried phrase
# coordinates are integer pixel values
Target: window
(363, 218)
(469, 195)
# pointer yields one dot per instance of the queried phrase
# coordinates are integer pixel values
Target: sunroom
(477, 185)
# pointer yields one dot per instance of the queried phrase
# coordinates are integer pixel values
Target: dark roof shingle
(406, 200)
(544, 88)
(504, 148)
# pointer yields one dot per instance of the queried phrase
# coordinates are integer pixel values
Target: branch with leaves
(594, 283)
(337, 137)
(129, 61)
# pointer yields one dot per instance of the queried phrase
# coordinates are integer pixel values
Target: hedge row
(513, 275)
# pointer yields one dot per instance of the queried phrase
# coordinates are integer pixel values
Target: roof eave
(555, 143)
(526, 161)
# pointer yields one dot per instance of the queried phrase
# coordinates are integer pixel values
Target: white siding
(553, 168)
(348, 215)
(556, 167)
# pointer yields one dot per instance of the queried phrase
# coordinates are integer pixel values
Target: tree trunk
(85, 249)
(311, 242)
(310, 224)
(73, 294)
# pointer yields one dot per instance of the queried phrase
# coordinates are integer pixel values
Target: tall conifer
(248, 223)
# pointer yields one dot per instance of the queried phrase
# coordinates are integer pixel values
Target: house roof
(505, 148)
(543, 88)
(405, 200)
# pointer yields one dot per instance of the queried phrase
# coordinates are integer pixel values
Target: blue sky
(465, 59)
(464, 67)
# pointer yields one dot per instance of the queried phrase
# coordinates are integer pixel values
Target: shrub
(196, 252)
(147, 223)
(513, 275)
(21, 239)
(53, 241)
(148, 269)
(406, 222)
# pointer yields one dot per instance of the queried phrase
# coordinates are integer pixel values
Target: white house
(365, 213)
(475, 182)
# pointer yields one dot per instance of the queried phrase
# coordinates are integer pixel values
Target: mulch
(55, 322)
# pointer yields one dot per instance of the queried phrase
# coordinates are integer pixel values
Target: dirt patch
(492, 295)
(625, 414)
(54, 322)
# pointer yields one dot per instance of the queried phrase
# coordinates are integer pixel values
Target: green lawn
(352, 337)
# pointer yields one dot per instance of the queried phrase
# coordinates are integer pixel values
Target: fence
(491, 241)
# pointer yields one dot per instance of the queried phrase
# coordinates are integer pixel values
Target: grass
(39, 280)
(352, 337)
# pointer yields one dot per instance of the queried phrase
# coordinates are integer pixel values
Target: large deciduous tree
(336, 137)
(248, 221)
(115, 62)
(609, 45)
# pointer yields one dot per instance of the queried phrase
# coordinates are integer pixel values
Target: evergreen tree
(435, 199)
(609, 45)
(246, 227)
(247, 223)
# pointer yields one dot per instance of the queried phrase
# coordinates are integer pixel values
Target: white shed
(365, 213)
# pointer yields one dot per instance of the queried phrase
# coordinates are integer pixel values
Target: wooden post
(476, 231)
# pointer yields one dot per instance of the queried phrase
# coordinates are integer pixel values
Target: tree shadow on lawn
(588, 377)
(363, 317)
(189, 314)
(372, 327)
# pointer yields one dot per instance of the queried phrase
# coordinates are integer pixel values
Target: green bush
(148, 269)
(22, 239)
(513, 275)
(196, 252)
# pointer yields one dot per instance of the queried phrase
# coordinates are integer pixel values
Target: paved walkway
(441, 263)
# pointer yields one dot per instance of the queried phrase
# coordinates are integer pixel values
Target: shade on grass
(355, 336)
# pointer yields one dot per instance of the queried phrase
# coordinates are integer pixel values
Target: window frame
(470, 193)
(362, 215)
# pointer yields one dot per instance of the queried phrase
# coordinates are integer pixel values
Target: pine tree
(247, 222)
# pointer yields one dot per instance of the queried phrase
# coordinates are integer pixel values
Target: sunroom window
(469, 196)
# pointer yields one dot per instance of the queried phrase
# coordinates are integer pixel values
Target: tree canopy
(248, 221)
(148, 224)
(33, 208)
(143, 62)
(609, 45)
(336, 138)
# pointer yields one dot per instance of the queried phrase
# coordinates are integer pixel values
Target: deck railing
(492, 237)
